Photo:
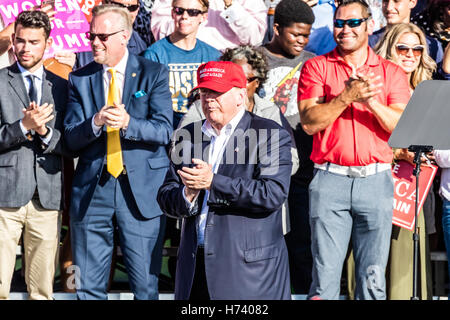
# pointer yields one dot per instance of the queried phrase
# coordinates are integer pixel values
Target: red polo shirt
(355, 138)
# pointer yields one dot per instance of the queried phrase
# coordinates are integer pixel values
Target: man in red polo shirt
(350, 101)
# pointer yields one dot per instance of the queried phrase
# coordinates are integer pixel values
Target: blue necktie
(32, 92)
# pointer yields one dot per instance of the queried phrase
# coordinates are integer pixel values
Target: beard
(29, 63)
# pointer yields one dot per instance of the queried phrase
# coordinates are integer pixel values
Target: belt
(354, 171)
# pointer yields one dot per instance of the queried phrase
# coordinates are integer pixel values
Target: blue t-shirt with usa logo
(183, 65)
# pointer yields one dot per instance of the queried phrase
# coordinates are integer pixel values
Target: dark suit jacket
(245, 252)
(147, 99)
(25, 164)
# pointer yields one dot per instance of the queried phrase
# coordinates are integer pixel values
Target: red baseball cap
(220, 76)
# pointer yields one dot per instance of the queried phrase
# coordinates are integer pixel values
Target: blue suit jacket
(147, 99)
(245, 252)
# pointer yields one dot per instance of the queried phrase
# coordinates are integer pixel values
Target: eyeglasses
(251, 79)
(130, 7)
(102, 36)
(352, 23)
(403, 49)
(191, 12)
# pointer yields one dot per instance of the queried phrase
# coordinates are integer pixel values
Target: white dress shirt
(216, 150)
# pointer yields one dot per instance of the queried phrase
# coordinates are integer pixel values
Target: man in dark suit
(32, 100)
(118, 121)
(232, 244)
(135, 46)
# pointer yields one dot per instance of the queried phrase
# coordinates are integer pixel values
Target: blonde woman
(405, 44)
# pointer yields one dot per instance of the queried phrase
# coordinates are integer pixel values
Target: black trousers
(199, 290)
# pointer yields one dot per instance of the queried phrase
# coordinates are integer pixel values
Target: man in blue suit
(118, 121)
(232, 244)
(136, 45)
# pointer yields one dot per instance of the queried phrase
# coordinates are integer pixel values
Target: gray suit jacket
(29, 164)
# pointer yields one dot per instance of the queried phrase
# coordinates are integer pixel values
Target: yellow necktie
(114, 162)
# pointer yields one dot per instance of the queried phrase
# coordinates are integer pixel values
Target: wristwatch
(29, 136)
(45, 135)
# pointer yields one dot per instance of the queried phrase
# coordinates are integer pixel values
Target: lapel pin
(133, 74)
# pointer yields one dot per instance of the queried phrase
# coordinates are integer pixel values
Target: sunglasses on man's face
(191, 12)
(352, 23)
(102, 36)
(403, 49)
(130, 7)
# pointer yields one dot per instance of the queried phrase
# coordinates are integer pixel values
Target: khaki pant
(40, 229)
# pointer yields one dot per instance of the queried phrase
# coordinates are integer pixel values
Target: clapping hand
(113, 116)
(196, 178)
(35, 117)
(362, 88)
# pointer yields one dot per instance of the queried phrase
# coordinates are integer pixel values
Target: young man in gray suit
(31, 101)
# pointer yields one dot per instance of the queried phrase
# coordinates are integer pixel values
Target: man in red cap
(228, 178)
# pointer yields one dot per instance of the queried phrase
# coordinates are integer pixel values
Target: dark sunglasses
(251, 79)
(102, 36)
(131, 7)
(191, 12)
(403, 49)
(352, 23)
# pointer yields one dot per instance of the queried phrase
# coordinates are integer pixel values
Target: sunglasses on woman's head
(352, 23)
(131, 7)
(191, 12)
(403, 49)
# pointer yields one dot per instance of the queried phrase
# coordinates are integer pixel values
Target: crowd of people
(253, 134)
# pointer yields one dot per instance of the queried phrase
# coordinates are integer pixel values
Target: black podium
(423, 127)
